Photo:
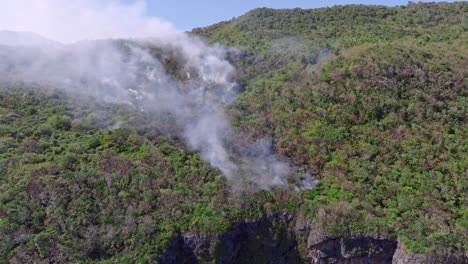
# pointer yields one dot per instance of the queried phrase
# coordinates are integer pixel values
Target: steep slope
(75, 187)
(94, 162)
(373, 100)
(279, 37)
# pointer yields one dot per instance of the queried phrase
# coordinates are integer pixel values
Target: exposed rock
(283, 238)
(353, 250)
(267, 240)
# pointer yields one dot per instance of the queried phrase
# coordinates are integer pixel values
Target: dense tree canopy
(371, 100)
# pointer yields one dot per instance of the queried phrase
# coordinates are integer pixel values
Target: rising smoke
(134, 71)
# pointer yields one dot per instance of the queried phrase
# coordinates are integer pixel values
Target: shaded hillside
(373, 100)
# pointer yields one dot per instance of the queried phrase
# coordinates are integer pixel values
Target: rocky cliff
(284, 238)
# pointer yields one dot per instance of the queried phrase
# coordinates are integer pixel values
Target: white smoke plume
(133, 72)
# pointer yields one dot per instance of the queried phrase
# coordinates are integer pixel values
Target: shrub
(60, 122)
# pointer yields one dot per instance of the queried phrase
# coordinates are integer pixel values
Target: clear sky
(187, 14)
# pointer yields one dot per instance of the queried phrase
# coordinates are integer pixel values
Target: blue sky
(187, 14)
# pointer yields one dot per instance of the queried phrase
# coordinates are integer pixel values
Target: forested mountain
(373, 99)
(370, 101)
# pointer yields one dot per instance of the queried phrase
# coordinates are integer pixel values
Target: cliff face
(267, 240)
(283, 238)
(352, 250)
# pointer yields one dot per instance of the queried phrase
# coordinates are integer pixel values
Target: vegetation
(372, 100)
(73, 190)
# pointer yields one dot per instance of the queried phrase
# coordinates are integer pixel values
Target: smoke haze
(69, 21)
(133, 72)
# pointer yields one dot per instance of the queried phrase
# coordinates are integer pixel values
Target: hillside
(140, 164)
(373, 100)
(73, 187)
